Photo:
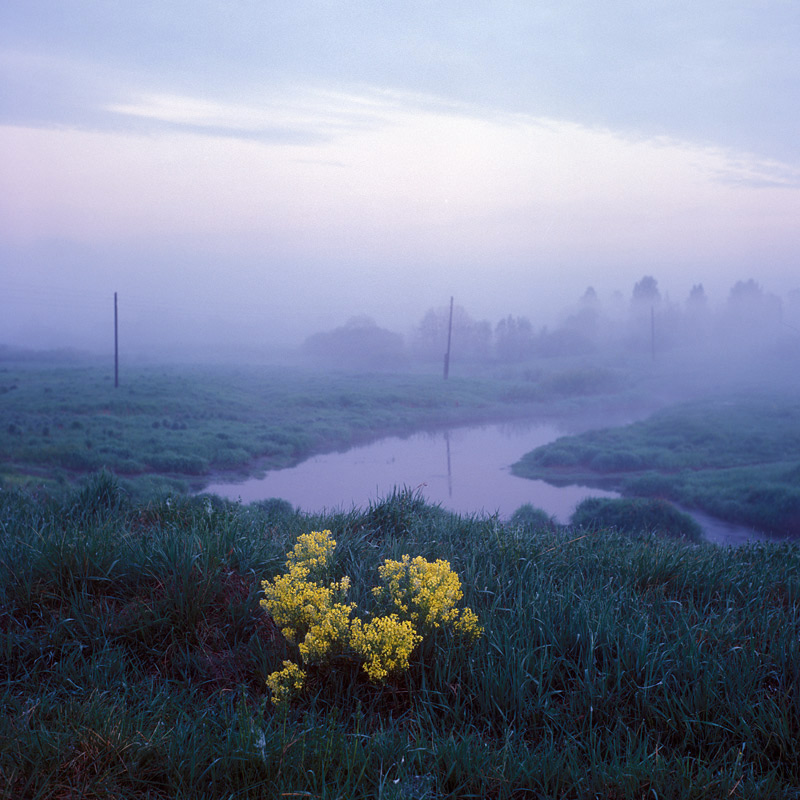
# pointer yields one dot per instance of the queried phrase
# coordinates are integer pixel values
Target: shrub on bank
(531, 518)
(636, 515)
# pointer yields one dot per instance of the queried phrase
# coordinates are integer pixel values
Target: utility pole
(116, 345)
(449, 337)
(653, 331)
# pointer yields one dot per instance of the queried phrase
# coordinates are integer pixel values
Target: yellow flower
(307, 612)
(285, 683)
(423, 595)
(312, 551)
(422, 591)
(294, 602)
(328, 634)
(385, 644)
(467, 626)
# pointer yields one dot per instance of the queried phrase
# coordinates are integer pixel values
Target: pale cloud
(309, 116)
(380, 175)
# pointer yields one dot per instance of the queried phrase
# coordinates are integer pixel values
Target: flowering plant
(314, 615)
(425, 593)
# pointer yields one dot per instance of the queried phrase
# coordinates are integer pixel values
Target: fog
(244, 176)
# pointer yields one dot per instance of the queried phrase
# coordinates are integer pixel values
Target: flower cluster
(426, 593)
(385, 644)
(298, 603)
(312, 552)
(314, 615)
(286, 682)
(328, 635)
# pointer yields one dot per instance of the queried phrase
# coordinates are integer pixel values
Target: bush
(313, 615)
(562, 453)
(532, 519)
(231, 458)
(80, 460)
(99, 495)
(399, 511)
(635, 516)
(620, 461)
(275, 508)
(175, 462)
(776, 506)
(651, 484)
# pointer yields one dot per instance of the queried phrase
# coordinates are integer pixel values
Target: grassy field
(173, 428)
(736, 458)
(134, 653)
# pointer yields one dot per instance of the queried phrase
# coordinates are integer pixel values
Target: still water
(466, 470)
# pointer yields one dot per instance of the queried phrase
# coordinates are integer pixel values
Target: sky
(251, 171)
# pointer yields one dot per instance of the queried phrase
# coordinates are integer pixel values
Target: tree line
(645, 320)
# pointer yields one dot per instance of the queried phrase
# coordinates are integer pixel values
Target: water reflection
(718, 531)
(466, 470)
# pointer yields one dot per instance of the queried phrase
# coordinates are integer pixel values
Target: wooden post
(653, 332)
(116, 345)
(449, 337)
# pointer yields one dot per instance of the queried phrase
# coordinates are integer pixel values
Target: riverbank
(734, 458)
(135, 655)
(463, 470)
(175, 429)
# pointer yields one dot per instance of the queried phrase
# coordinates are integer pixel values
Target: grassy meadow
(736, 458)
(134, 654)
(172, 429)
(614, 663)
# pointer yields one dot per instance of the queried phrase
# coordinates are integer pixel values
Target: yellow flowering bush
(286, 682)
(426, 593)
(385, 644)
(312, 552)
(314, 615)
(297, 603)
(467, 626)
(328, 635)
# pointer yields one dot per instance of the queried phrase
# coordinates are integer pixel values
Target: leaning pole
(449, 337)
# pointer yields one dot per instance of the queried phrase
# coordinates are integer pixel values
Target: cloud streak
(374, 158)
(402, 163)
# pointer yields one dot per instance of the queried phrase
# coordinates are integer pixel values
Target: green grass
(735, 458)
(133, 655)
(174, 428)
(636, 515)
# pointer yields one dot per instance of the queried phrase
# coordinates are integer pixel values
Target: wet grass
(734, 458)
(636, 515)
(173, 429)
(133, 655)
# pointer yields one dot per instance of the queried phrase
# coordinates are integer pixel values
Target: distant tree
(697, 298)
(641, 325)
(695, 325)
(752, 312)
(513, 338)
(645, 292)
(358, 344)
(589, 297)
(471, 338)
(746, 293)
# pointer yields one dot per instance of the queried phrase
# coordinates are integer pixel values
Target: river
(466, 470)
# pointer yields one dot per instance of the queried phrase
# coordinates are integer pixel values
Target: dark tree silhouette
(645, 292)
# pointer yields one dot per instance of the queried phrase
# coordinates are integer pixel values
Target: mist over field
(247, 175)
